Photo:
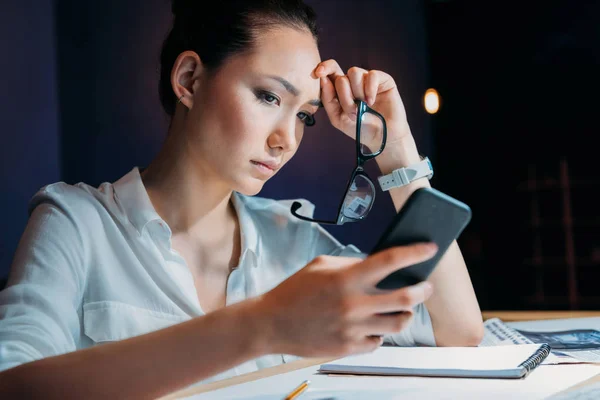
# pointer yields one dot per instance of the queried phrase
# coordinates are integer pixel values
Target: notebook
(511, 361)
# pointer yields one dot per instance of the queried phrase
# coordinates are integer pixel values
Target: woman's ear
(186, 70)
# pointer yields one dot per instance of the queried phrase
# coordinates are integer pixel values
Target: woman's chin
(250, 188)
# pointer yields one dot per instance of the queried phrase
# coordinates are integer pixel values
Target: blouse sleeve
(40, 306)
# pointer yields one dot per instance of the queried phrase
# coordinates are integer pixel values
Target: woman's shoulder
(79, 200)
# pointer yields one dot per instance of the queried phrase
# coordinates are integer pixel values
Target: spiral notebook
(506, 362)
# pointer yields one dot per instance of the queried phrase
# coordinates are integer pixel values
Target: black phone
(428, 215)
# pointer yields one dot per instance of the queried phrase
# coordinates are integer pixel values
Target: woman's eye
(267, 97)
(308, 119)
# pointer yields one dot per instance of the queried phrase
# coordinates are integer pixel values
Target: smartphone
(428, 215)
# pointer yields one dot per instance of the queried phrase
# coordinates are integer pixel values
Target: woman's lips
(264, 168)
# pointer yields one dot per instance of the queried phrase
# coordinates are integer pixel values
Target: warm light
(431, 101)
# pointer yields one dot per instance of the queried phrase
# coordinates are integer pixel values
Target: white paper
(590, 392)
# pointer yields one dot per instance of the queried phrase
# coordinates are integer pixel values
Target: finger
(377, 82)
(329, 98)
(338, 268)
(356, 76)
(379, 265)
(336, 261)
(344, 95)
(399, 300)
(371, 87)
(367, 344)
(327, 71)
(329, 68)
(379, 325)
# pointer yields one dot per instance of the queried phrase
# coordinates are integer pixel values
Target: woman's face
(249, 118)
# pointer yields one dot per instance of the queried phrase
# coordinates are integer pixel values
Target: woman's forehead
(289, 53)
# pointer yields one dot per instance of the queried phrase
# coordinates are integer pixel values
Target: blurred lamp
(431, 100)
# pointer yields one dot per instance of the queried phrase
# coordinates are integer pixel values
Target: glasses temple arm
(296, 205)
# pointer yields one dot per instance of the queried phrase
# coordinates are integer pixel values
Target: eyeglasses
(360, 191)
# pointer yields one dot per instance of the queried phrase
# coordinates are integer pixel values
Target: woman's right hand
(332, 308)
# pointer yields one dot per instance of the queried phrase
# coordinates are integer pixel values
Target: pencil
(298, 391)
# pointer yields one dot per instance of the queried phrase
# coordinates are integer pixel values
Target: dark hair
(224, 28)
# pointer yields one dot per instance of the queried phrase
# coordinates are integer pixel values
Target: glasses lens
(359, 198)
(371, 133)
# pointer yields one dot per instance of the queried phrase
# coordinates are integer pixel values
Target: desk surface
(307, 362)
(507, 316)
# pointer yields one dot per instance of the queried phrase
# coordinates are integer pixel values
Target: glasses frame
(361, 159)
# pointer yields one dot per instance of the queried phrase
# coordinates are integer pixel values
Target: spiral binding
(537, 358)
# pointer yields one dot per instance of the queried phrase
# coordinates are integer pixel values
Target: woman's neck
(188, 197)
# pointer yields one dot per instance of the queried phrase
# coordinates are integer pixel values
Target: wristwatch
(403, 176)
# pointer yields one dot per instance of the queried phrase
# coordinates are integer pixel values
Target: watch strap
(403, 176)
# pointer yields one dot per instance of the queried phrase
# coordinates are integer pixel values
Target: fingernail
(431, 248)
(320, 70)
(421, 291)
(368, 100)
(324, 81)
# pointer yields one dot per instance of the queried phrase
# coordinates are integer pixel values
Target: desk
(508, 316)
(303, 363)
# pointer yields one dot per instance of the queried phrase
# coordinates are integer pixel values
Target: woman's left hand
(378, 89)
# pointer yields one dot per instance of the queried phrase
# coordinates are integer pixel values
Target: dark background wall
(513, 137)
(516, 138)
(29, 119)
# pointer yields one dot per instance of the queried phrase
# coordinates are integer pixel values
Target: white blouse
(95, 265)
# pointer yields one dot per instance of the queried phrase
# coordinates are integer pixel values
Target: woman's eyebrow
(293, 90)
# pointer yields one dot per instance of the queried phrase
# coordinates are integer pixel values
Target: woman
(147, 264)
